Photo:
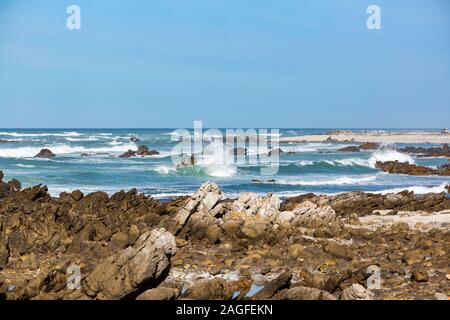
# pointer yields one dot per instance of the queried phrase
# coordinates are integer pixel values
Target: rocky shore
(350, 246)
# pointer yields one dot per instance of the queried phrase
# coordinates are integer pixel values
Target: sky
(229, 63)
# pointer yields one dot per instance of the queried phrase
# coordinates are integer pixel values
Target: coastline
(207, 246)
(391, 137)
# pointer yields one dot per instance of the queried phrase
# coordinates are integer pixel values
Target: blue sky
(230, 63)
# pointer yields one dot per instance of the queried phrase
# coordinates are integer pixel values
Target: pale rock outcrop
(133, 269)
(308, 214)
(356, 292)
(252, 204)
(202, 202)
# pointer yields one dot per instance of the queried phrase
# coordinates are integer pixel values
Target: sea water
(312, 167)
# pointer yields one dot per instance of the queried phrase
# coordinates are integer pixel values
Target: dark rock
(128, 154)
(443, 151)
(369, 146)
(134, 139)
(396, 167)
(45, 153)
(364, 146)
(349, 149)
(142, 151)
(9, 187)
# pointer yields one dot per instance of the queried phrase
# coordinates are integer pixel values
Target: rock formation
(412, 169)
(45, 153)
(208, 246)
(142, 151)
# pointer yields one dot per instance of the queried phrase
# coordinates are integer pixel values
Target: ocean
(310, 167)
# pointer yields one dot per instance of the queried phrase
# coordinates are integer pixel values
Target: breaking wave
(28, 152)
(328, 181)
(418, 189)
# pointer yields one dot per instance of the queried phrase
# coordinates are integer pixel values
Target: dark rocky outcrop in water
(45, 153)
(364, 146)
(142, 151)
(443, 151)
(207, 246)
(397, 167)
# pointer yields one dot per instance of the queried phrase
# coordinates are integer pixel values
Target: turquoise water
(314, 167)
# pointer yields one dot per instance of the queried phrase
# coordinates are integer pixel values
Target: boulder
(45, 153)
(132, 270)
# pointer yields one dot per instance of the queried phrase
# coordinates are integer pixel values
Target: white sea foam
(164, 169)
(328, 181)
(20, 134)
(20, 165)
(389, 155)
(27, 152)
(418, 189)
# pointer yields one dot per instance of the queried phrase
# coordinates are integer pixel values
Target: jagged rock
(309, 215)
(252, 204)
(134, 269)
(306, 293)
(45, 153)
(159, 293)
(361, 203)
(9, 187)
(356, 292)
(203, 202)
(145, 151)
(142, 151)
